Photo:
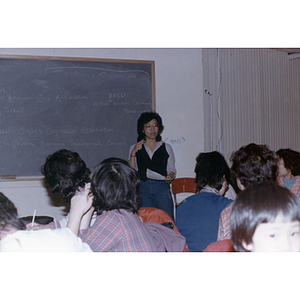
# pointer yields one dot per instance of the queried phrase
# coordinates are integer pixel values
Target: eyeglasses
(154, 126)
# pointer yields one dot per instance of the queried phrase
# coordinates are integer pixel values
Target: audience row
(105, 212)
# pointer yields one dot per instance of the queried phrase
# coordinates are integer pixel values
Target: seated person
(65, 173)
(117, 227)
(15, 238)
(197, 217)
(289, 170)
(265, 217)
(250, 164)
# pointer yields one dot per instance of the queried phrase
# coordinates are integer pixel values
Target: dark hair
(65, 172)
(9, 214)
(291, 160)
(146, 117)
(115, 185)
(210, 169)
(254, 163)
(260, 203)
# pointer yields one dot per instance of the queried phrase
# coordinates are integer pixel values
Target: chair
(220, 246)
(152, 214)
(183, 185)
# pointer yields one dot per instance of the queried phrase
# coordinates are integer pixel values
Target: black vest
(158, 163)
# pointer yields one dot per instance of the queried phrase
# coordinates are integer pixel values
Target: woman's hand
(82, 201)
(170, 177)
(138, 146)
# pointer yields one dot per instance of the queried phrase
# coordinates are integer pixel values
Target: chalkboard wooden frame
(125, 67)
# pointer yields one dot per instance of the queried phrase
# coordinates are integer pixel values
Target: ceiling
(289, 50)
(293, 53)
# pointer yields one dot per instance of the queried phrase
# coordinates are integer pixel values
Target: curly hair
(254, 163)
(9, 215)
(115, 185)
(146, 117)
(291, 160)
(210, 170)
(65, 172)
(260, 203)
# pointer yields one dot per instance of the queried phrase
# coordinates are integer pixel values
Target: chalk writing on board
(135, 111)
(17, 143)
(120, 103)
(29, 132)
(13, 110)
(19, 98)
(42, 98)
(52, 144)
(135, 102)
(116, 96)
(83, 143)
(51, 131)
(86, 144)
(121, 143)
(87, 106)
(76, 97)
(103, 72)
(100, 103)
(91, 130)
(6, 131)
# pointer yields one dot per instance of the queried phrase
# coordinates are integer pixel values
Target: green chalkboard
(90, 106)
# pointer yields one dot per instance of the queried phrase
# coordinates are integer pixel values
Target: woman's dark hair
(115, 185)
(254, 163)
(291, 160)
(65, 172)
(260, 203)
(146, 117)
(210, 170)
(9, 215)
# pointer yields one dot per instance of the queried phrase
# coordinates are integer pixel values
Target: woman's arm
(81, 204)
(86, 219)
(171, 170)
(132, 158)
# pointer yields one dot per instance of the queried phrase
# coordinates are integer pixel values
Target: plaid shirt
(118, 231)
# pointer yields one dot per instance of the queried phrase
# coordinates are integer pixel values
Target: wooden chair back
(183, 185)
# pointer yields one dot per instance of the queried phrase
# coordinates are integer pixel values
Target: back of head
(65, 172)
(210, 169)
(146, 117)
(115, 185)
(291, 160)
(253, 164)
(260, 203)
(9, 215)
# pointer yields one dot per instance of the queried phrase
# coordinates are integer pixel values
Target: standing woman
(289, 170)
(150, 153)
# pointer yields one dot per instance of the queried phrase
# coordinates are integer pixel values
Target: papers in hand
(155, 176)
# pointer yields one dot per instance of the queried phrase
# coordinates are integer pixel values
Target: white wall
(179, 101)
(255, 98)
(28, 195)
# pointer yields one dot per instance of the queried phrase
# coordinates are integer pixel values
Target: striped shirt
(118, 231)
